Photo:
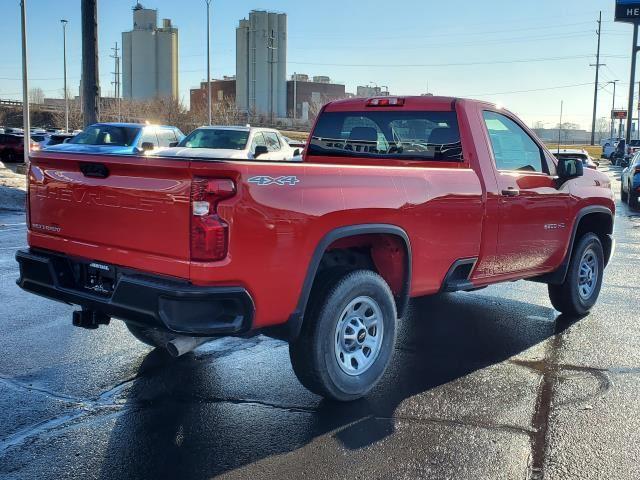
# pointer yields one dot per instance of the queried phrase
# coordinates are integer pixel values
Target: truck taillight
(385, 102)
(209, 233)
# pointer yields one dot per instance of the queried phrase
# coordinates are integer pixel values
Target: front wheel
(581, 287)
(347, 338)
(623, 194)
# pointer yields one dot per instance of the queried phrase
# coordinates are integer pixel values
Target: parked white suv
(233, 142)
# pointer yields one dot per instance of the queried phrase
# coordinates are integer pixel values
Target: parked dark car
(12, 147)
(617, 157)
(630, 182)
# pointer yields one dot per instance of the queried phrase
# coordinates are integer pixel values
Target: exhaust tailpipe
(178, 346)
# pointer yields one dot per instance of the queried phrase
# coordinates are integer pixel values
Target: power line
(457, 64)
(558, 87)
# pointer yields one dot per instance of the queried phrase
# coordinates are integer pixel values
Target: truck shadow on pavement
(206, 414)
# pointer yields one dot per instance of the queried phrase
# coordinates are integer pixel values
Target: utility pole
(90, 78)
(613, 107)
(632, 82)
(560, 125)
(595, 95)
(295, 95)
(25, 83)
(208, 61)
(116, 79)
(272, 47)
(64, 54)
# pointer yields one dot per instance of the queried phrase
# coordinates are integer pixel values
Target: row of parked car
(133, 139)
(617, 150)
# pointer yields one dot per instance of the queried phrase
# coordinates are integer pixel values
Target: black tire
(623, 195)
(149, 336)
(632, 198)
(313, 354)
(566, 298)
(9, 156)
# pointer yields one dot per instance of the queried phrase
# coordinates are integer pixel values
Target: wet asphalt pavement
(485, 385)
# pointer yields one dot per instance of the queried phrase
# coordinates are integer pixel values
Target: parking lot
(492, 385)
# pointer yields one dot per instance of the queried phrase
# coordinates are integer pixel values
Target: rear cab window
(112, 135)
(388, 134)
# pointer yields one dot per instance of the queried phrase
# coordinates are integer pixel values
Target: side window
(148, 135)
(258, 140)
(165, 137)
(513, 148)
(273, 144)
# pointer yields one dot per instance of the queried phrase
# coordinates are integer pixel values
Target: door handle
(511, 192)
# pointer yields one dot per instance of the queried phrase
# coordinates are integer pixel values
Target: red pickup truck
(395, 198)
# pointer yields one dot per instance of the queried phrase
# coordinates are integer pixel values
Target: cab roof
(423, 102)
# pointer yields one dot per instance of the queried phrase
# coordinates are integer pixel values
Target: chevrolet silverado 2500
(396, 197)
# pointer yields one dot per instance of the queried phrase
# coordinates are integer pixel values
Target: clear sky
(527, 56)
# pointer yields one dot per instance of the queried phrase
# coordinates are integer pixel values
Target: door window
(273, 144)
(166, 137)
(258, 140)
(148, 136)
(513, 148)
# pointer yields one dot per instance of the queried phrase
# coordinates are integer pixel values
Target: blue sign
(628, 11)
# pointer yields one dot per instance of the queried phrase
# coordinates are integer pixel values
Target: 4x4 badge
(264, 180)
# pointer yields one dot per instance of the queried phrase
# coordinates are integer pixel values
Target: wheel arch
(597, 219)
(294, 324)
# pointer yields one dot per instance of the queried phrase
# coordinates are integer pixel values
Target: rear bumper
(149, 300)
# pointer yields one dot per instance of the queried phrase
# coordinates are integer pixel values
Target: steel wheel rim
(358, 336)
(587, 274)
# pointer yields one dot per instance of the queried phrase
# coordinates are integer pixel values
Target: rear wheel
(9, 156)
(149, 336)
(581, 287)
(348, 336)
(632, 198)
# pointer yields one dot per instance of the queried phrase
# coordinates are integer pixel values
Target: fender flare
(558, 276)
(294, 324)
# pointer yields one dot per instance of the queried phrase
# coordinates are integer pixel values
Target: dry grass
(594, 150)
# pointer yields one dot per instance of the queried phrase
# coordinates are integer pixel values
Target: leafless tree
(36, 96)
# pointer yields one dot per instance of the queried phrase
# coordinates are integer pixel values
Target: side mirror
(173, 144)
(260, 150)
(146, 146)
(296, 152)
(569, 168)
(66, 140)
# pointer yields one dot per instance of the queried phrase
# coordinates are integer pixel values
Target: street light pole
(632, 83)
(25, 83)
(208, 61)
(64, 54)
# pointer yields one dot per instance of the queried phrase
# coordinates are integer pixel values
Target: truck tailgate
(136, 206)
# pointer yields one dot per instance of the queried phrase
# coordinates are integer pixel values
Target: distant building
(261, 64)
(368, 91)
(304, 98)
(222, 91)
(149, 57)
